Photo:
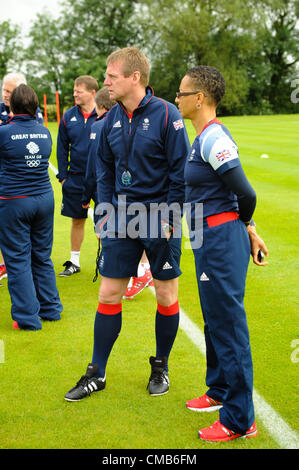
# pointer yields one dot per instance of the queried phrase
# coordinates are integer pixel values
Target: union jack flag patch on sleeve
(223, 155)
(178, 124)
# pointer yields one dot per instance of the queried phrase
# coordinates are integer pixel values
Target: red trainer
(204, 403)
(3, 272)
(138, 284)
(219, 433)
(15, 325)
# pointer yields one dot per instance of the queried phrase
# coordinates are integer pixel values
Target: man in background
(72, 152)
(10, 82)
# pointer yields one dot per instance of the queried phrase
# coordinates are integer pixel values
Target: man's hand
(167, 230)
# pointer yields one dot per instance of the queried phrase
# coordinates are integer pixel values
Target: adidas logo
(167, 266)
(74, 118)
(204, 277)
(72, 269)
(117, 124)
(92, 386)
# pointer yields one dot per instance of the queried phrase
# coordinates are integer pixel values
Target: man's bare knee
(112, 290)
(166, 291)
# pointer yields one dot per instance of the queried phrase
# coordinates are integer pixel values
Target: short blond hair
(89, 82)
(133, 60)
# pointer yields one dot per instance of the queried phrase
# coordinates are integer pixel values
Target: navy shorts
(121, 254)
(72, 190)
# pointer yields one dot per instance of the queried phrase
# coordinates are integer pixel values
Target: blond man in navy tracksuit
(142, 152)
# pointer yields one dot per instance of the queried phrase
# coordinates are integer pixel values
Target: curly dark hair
(208, 80)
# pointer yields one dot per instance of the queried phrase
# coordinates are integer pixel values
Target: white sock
(141, 270)
(75, 257)
(146, 265)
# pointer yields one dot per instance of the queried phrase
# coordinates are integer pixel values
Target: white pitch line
(55, 171)
(280, 431)
(276, 426)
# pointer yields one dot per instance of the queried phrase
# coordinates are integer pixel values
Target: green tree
(185, 34)
(46, 58)
(9, 47)
(93, 30)
(77, 43)
(253, 42)
(279, 38)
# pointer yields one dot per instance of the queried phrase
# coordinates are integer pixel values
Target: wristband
(166, 227)
(250, 223)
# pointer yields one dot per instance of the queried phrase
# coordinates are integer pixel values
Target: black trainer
(70, 269)
(159, 380)
(86, 385)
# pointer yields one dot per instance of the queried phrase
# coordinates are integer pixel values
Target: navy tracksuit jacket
(72, 142)
(153, 144)
(4, 114)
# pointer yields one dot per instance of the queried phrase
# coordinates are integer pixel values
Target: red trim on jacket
(213, 121)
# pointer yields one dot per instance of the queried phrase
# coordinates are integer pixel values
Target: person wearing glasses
(216, 182)
(142, 152)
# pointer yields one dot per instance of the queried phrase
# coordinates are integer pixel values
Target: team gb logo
(32, 147)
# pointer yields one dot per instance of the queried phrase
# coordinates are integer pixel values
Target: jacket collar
(145, 100)
(21, 117)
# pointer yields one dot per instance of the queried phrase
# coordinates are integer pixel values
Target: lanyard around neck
(127, 146)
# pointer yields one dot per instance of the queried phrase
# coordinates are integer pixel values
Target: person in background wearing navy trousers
(26, 214)
(215, 179)
(9, 83)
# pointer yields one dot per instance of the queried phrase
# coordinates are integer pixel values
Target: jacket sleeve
(39, 116)
(2, 140)
(89, 184)
(177, 147)
(236, 180)
(105, 169)
(63, 148)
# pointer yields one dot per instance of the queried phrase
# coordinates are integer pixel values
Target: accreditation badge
(126, 178)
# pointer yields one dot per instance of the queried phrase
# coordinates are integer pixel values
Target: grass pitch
(37, 368)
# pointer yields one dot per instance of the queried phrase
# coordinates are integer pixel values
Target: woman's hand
(257, 244)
